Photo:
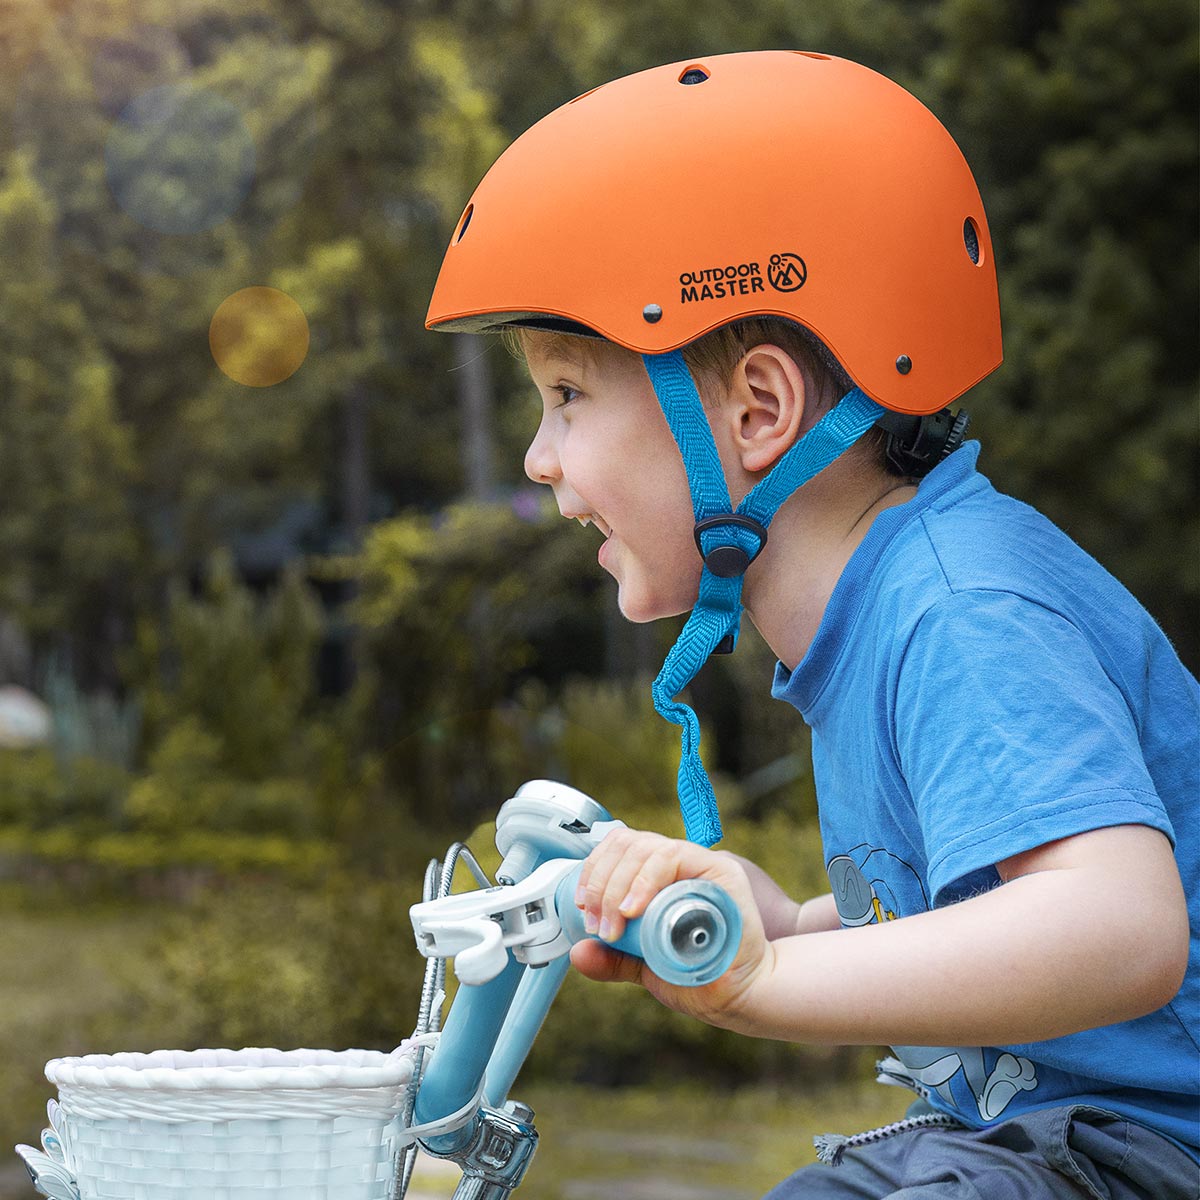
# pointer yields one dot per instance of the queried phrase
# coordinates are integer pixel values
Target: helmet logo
(717, 283)
(787, 272)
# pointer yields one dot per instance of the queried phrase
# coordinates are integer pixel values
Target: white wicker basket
(223, 1125)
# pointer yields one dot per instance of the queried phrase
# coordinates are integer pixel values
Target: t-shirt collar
(802, 687)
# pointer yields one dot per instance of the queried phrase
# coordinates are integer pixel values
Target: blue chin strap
(729, 540)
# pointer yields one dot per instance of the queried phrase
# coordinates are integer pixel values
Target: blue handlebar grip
(688, 935)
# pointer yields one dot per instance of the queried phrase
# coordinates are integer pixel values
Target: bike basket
(223, 1125)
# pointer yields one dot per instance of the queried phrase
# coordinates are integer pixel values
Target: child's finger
(666, 863)
(638, 878)
(610, 896)
(598, 865)
(593, 875)
(610, 872)
(627, 863)
(598, 962)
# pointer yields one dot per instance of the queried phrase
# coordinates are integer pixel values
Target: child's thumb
(597, 961)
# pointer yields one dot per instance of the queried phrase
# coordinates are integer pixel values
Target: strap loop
(727, 560)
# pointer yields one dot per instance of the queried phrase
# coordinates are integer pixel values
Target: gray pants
(1068, 1153)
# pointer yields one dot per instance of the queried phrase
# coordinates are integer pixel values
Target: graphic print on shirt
(867, 887)
(864, 884)
(933, 1067)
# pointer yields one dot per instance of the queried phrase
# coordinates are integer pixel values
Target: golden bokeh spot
(259, 336)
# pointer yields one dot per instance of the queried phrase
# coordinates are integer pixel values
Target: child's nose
(541, 461)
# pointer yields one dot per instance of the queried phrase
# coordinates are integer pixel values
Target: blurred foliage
(286, 658)
(1080, 123)
(243, 769)
(129, 457)
(269, 965)
(456, 613)
(39, 792)
(229, 665)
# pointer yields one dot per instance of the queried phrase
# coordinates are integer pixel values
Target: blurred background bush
(263, 650)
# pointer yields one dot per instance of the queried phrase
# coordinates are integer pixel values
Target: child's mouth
(604, 527)
(599, 522)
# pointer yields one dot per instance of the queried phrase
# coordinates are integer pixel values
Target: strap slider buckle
(729, 561)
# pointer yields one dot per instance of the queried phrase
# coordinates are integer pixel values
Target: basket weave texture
(227, 1124)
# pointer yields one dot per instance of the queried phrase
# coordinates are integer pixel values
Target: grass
(674, 1143)
(63, 973)
(682, 1141)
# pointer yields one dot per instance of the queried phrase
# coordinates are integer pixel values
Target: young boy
(1005, 745)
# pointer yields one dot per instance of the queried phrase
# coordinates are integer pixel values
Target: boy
(1005, 745)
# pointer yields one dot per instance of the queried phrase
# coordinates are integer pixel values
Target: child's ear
(765, 406)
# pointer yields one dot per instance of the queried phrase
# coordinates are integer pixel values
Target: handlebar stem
(496, 1157)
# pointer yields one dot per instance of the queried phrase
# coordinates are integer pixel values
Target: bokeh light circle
(180, 159)
(259, 336)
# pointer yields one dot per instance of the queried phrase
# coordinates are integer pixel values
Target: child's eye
(566, 392)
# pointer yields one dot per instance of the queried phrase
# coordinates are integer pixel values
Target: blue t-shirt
(978, 687)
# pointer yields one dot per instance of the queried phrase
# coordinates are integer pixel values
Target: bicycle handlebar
(687, 936)
(510, 945)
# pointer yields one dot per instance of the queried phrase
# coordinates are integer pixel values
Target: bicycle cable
(439, 880)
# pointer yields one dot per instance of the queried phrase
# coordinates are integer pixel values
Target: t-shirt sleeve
(1010, 735)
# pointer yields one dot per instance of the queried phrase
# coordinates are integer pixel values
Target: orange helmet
(663, 205)
(660, 206)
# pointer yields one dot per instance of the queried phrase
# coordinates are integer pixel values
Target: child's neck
(813, 537)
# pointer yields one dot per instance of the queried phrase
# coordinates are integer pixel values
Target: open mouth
(599, 522)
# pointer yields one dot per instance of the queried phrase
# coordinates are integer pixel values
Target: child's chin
(641, 609)
(633, 606)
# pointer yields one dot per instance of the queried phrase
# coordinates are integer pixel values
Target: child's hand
(622, 875)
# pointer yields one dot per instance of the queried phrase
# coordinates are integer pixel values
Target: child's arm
(1084, 932)
(781, 915)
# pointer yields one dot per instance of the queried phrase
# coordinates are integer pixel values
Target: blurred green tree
(128, 457)
(456, 612)
(1081, 125)
(68, 538)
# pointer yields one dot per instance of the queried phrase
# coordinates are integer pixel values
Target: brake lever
(477, 929)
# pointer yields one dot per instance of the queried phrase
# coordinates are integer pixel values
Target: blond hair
(712, 358)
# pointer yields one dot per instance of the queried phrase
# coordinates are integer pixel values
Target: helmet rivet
(904, 364)
(652, 313)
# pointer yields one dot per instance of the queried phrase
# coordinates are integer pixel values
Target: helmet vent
(466, 220)
(812, 54)
(971, 240)
(695, 74)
